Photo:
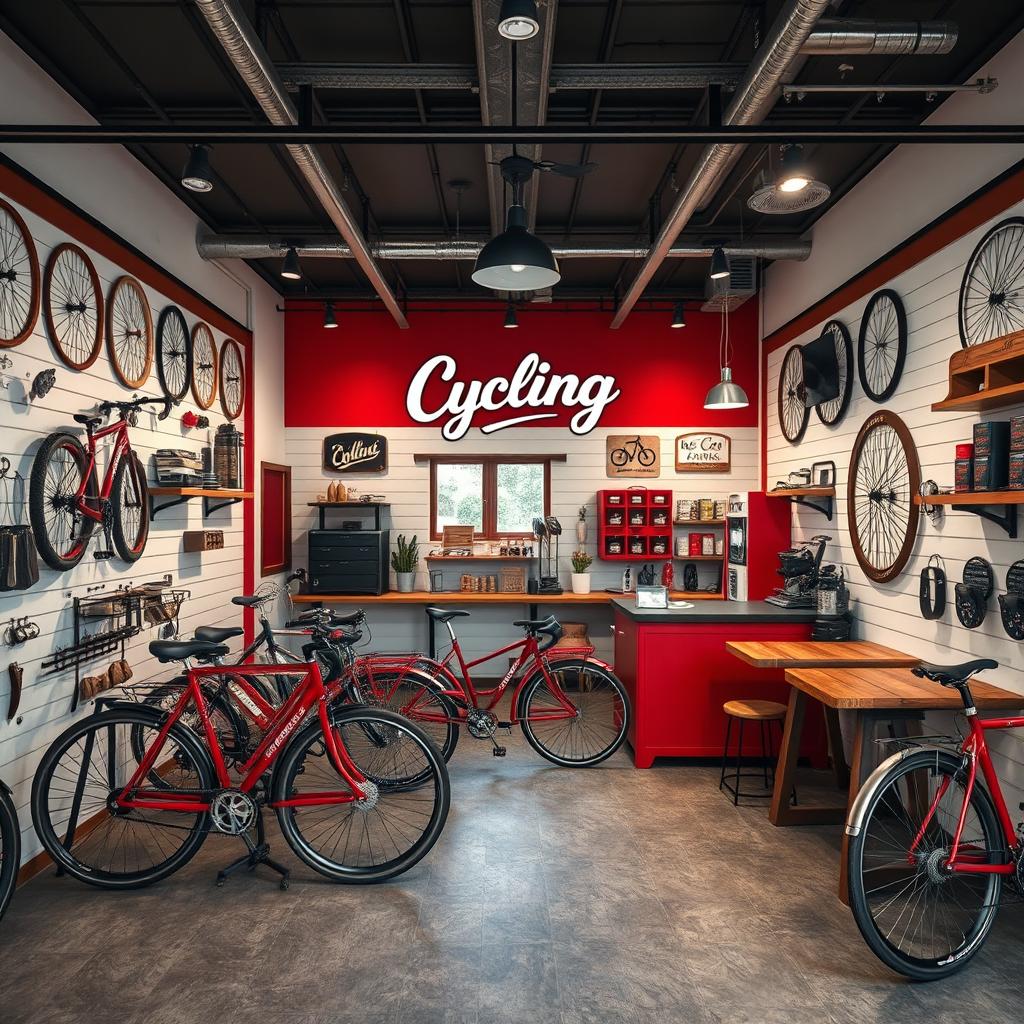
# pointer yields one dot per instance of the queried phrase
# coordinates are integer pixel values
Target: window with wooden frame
(275, 518)
(498, 495)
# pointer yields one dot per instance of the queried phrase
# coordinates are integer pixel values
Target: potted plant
(404, 561)
(581, 562)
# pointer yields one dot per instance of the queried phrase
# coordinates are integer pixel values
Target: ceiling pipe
(233, 31)
(751, 103)
(850, 36)
(258, 247)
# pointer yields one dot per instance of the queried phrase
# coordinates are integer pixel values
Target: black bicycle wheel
(10, 848)
(792, 409)
(832, 411)
(130, 499)
(61, 532)
(173, 353)
(384, 835)
(919, 919)
(991, 300)
(81, 773)
(882, 345)
(601, 722)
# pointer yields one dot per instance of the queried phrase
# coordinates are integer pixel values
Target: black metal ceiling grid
(154, 62)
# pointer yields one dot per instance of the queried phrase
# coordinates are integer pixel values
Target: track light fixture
(291, 268)
(679, 315)
(197, 175)
(510, 316)
(329, 319)
(518, 20)
(719, 264)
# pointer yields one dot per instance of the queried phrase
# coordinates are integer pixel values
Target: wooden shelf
(994, 398)
(479, 558)
(986, 376)
(980, 503)
(214, 498)
(450, 596)
(699, 558)
(821, 499)
(349, 504)
(698, 522)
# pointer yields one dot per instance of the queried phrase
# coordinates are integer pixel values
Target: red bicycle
(930, 845)
(361, 794)
(571, 707)
(64, 502)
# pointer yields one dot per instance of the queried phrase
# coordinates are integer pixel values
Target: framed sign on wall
(700, 452)
(633, 455)
(356, 452)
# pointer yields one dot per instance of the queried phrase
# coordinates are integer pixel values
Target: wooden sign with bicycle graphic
(633, 455)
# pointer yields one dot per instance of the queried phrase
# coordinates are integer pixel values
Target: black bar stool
(764, 713)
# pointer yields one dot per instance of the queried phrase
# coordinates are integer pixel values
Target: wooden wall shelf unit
(376, 507)
(981, 503)
(987, 376)
(213, 498)
(698, 522)
(479, 558)
(804, 496)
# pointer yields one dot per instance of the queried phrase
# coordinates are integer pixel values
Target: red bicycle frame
(283, 722)
(975, 749)
(122, 447)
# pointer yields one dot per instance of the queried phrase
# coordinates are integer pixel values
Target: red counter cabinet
(678, 676)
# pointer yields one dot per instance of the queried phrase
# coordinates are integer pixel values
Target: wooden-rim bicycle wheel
(204, 366)
(129, 332)
(73, 306)
(232, 379)
(19, 278)
(793, 412)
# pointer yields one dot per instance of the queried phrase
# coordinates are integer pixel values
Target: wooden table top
(889, 688)
(818, 654)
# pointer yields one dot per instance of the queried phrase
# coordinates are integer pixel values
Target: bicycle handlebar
(136, 403)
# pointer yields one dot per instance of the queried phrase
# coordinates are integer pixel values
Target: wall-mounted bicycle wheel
(19, 278)
(232, 379)
(832, 411)
(884, 477)
(793, 412)
(882, 345)
(992, 290)
(173, 353)
(204, 366)
(73, 306)
(129, 332)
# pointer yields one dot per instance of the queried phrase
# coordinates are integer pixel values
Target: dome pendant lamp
(726, 394)
(515, 260)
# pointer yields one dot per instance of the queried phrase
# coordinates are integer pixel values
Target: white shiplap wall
(889, 613)
(46, 698)
(573, 483)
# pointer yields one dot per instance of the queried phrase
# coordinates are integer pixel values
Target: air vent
(767, 199)
(732, 291)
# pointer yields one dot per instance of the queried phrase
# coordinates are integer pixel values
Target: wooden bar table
(874, 694)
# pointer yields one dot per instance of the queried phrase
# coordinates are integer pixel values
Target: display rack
(213, 498)
(986, 376)
(648, 534)
(981, 503)
(376, 507)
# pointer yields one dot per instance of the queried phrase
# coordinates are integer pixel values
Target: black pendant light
(510, 316)
(678, 315)
(515, 260)
(330, 321)
(197, 175)
(719, 264)
(290, 268)
(518, 20)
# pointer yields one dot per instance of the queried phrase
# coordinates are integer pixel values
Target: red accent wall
(360, 373)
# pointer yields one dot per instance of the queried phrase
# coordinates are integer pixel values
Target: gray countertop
(713, 611)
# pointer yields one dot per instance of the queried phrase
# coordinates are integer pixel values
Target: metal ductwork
(849, 36)
(232, 30)
(259, 247)
(751, 103)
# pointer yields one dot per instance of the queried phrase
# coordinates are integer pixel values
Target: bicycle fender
(571, 655)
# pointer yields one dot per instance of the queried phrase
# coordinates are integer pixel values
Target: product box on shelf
(1016, 475)
(963, 473)
(1017, 434)
(991, 438)
(990, 473)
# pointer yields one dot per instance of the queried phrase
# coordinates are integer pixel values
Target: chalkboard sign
(356, 452)
(703, 453)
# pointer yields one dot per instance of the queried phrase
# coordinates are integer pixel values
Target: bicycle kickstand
(258, 853)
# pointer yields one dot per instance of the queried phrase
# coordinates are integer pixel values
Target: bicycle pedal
(103, 554)
(498, 751)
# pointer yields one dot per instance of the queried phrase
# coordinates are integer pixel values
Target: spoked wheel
(232, 382)
(61, 532)
(19, 278)
(10, 848)
(882, 345)
(129, 497)
(73, 305)
(918, 918)
(129, 332)
(81, 775)
(377, 838)
(204, 366)
(793, 412)
(594, 733)
(992, 290)
(173, 353)
(832, 411)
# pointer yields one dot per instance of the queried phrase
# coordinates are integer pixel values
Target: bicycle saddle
(179, 650)
(87, 419)
(953, 675)
(218, 634)
(445, 614)
(248, 600)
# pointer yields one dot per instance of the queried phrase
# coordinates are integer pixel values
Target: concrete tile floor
(610, 896)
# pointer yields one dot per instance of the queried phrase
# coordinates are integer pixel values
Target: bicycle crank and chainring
(233, 812)
(482, 725)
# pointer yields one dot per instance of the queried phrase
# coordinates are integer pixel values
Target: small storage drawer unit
(348, 561)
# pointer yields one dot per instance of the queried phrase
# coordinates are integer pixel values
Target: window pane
(460, 495)
(520, 495)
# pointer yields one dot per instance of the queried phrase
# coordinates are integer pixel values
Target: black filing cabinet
(348, 561)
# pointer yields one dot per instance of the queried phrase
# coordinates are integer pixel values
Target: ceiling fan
(517, 170)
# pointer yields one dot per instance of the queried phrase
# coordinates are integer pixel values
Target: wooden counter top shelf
(986, 376)
(980, 503)
(817, 654)
(803, 496)
(376, 507)
(213, 498)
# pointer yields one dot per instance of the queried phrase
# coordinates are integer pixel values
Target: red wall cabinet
(634, 524)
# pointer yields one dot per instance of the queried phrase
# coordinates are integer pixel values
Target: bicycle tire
(350, 723)
(532, 692)
(194, 757)
(951, 961)
(10, 848)
(646, 456)
(618, 457)
(130, 547)
(41, 500)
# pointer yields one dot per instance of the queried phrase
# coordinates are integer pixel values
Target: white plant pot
(580, 582)
(406, 582)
